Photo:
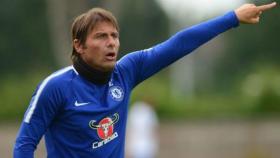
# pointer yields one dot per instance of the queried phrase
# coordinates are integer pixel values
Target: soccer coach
(82, 109)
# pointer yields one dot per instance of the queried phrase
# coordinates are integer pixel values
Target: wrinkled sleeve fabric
(43, 107)
(142, 64)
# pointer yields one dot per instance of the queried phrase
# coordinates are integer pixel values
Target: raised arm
(143, 64)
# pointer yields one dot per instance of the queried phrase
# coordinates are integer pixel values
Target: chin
(109, 67)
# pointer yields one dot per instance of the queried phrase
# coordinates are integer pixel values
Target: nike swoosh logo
(80, 104)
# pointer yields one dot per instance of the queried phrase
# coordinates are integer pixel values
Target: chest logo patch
(116, 93)
(105, 130)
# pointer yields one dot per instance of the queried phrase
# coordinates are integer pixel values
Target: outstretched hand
(250, 13)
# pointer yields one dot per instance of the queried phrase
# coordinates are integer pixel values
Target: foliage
(24, 36)
(249, 45)
(262, 88)
(256, 94)
(143, 24)
(15, 94)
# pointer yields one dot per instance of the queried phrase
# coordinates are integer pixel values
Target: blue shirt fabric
(80, 119)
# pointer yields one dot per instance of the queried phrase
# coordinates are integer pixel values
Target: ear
(78, 46)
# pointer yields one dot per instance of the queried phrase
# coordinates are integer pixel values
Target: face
(101, 47)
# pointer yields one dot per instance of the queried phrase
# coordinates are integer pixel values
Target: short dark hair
(84, 23)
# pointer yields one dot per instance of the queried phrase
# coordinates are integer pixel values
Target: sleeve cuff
(232, 18)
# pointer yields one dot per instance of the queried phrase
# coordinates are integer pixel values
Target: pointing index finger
(266, 6)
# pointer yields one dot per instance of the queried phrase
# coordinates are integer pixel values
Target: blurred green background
(236, 75)
(223, 100)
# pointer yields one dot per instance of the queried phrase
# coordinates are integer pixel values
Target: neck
(91, 74)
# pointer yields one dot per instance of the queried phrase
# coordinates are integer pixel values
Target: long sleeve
(142, 64)
(42, 109)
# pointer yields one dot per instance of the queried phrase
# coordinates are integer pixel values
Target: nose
(112, 42)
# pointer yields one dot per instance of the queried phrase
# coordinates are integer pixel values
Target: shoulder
(135, 58)
(129, 58)
(130, 61)
(57, 80)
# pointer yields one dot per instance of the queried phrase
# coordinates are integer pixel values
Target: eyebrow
(101, 32)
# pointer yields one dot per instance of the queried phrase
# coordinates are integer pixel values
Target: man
(142, 130)
(82, 109)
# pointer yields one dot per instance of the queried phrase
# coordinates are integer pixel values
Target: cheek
(91, 45)
(94, 49)
(118, 44)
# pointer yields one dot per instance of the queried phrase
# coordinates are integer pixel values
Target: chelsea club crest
(116, 93)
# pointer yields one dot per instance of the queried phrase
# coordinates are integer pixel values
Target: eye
(115, 35)
(101, 35)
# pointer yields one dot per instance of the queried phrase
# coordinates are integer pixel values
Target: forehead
(104, 26)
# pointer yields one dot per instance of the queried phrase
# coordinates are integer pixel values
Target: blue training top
(83, 120)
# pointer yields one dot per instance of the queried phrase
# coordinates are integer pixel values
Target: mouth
(111, 56)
